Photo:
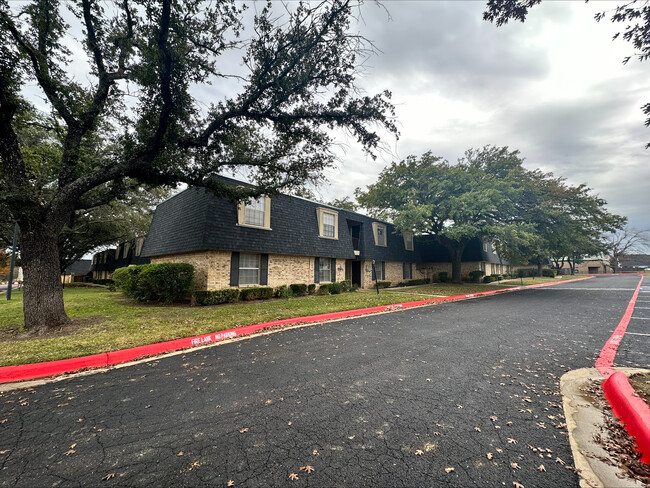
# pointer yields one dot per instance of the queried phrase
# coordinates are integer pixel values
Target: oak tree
(154, 82)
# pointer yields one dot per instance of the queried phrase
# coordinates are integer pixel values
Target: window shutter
(333, 268)
(264, 269)
(404, 275)
(234, 269)
(316, 264)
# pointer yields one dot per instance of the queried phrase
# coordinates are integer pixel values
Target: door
(356, 273)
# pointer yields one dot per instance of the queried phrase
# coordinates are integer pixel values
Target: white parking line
(641, 318)
(638, 333)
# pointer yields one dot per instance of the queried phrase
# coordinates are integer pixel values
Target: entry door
(356, 273)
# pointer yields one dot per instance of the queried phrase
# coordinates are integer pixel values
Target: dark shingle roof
(196, 220)
(80, 267)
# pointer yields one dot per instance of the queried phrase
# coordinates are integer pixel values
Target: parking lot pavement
(457, 394)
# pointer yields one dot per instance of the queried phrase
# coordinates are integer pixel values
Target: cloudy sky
(554, 87)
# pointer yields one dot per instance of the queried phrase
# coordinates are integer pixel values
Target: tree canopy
(488, 194)
(149, 65)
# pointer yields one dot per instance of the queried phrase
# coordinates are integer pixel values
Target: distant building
(77, 272)
(126, 254)
(287, 239)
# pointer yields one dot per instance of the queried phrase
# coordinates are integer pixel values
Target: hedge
(383, 284)
(216, 297)
(164, 282)
(335, 288)
(256, 293)
(298, 289)
(476, 275)
(442, 276)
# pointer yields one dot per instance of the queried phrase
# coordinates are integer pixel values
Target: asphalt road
(394, 400)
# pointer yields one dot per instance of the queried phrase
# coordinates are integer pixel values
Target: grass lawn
(107, 321)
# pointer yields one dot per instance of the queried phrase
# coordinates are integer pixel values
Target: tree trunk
(540, 266)
(42, 294)
(456, 264)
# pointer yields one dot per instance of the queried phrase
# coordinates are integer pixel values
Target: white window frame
(258, 268)
(320, 214)
(408, 240)
(266, 218)
(375, 230)
(324, 265)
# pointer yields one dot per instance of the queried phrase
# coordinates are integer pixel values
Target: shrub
(416, 282)
(126, 280)
(476, 275)
(311, 288)
(323, 289)
(105, 282)
(165, 282)
(442, 276)
(335, 288)
(383, 284)
(256, 293)
(346, 286)
(216, 297)
(282, 291)
(298, 289)
(548, 273)
(489, 279)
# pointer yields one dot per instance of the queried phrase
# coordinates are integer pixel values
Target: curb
(632, 411)
(32, 371)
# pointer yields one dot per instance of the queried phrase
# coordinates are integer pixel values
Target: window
(380, 271)
(379, 230)
(249, 269)
(324, 270)
(407, 273)
(256, 213)
(139, 242)
(408, 241)
(328, 223)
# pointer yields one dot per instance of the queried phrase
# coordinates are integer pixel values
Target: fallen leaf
(489, 455)
(62, 404)
(244, 430)
(315, 453)
(477, 429)
(73, 445)
(494, 418)
(419, 452)
(5, 451)
(293, 476)
(428, 379)
(3, 421)
(517, 485)
(448, 470)
(511, 440)
(180, 453)
(351, 437)
(108, 476)
(308, 469)
(558, 460)
(71, 451)
(230, 483)
(514, 466)
(499, 450)
(509, 424)
(541, 468)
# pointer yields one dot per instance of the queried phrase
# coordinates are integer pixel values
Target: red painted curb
(50, 368)
(605, 360)
(632, 411)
